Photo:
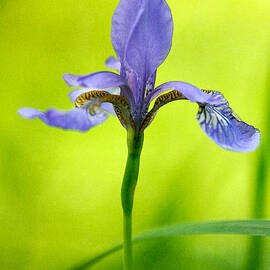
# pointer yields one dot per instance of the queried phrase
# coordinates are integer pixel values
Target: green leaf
(242, 227)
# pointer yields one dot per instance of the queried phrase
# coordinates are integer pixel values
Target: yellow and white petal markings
(161, 101)
(93, 99)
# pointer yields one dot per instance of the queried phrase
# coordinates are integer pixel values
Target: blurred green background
(60, 190)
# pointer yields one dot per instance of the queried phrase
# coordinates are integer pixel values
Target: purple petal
(226, 129)
(142, 34)
(76, 119)
(98, 80)
(113, 63)
(30, 113)
(123, 21)
(190, 91)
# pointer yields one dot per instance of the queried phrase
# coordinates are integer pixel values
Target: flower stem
(135, 143)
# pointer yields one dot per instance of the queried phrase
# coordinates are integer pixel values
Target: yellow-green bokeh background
(60, 190)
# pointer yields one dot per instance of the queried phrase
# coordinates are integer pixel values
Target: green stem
(256, 244)
(127, 243)
(135, 143)
(255, 252)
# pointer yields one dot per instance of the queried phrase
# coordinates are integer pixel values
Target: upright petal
(113, 63)
(76, 119)
(142, 34)
(98, 80)
(123, 22)
(225, 128)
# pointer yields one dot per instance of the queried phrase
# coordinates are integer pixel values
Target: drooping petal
(113, 63)
(98, 80)
(190, 91)
(142, 34)
(76, 119)
(225, 128)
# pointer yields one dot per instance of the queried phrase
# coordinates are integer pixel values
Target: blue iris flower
(141, 35)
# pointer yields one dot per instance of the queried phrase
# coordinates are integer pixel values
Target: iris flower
(141, 35)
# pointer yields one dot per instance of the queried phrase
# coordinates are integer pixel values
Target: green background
(60, 190)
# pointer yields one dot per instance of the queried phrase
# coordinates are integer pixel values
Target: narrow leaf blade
(240, 227)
